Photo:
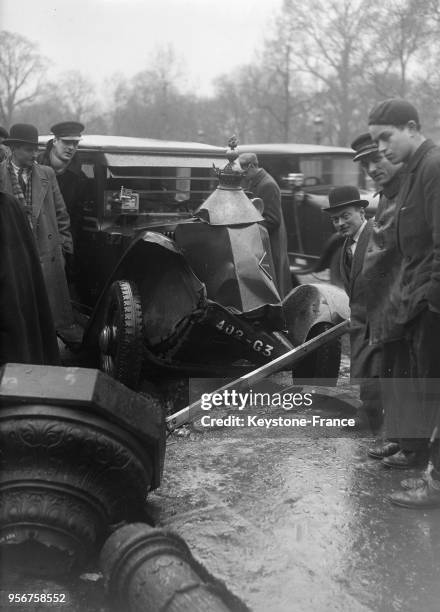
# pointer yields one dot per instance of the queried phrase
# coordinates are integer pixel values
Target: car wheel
(324, 363)
(121, 337)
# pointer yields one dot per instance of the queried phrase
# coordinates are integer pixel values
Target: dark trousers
(411, 385)
(370, 395)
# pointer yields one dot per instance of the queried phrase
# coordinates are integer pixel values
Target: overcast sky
(103, 37)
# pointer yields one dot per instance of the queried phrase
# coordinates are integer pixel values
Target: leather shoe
(403, 460)
(427, 496)
(382, 448)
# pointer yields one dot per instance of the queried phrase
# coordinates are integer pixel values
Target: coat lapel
(408, 172)
(359, 254)
(343, 268)
(40, 184)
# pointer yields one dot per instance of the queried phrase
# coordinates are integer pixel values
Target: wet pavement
(299, 521)
(290, 519)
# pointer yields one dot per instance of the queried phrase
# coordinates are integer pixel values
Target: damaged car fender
(308, 305)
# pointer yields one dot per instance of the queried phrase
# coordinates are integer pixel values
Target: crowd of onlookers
(390, 266)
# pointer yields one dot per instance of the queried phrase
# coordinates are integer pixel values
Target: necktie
(21, 181)
(349, 253)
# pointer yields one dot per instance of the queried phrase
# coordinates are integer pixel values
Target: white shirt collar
(359, 232)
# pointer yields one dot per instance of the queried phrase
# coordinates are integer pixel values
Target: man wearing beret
(347, 211)
(381, 268)
(60, 154)
(394, 124)
(36, 189)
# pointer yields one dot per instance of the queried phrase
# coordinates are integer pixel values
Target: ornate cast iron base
(68, 473)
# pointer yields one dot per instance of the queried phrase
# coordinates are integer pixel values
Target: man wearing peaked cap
(394, 124)
(61, 155)
(380, 271)
(347, 211)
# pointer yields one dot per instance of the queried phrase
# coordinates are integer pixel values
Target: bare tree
(404, 30)
(330, 42)
(21, 71)
(77, 93)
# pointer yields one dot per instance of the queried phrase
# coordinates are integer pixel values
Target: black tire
(121, 337)
(324, 363)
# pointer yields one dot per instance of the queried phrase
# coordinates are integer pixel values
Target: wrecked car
(175, 275)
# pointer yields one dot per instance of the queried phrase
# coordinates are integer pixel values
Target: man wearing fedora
(347, 211)
(395, 126)
(37, 191)
(380, 270)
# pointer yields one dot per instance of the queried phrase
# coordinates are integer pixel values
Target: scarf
(25, 199)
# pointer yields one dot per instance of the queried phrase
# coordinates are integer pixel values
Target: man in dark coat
(347, 211)
(394, 124)
(27, 333)
(381, 269)
(263, 186)
(37, 191)
(60, 154)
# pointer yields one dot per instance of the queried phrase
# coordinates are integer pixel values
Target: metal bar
(188, 414)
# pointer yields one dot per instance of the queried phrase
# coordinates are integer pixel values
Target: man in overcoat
(394, 124)
(347, 211)
(263, 186)
(380, 270)
(37, 191)
(60, 154)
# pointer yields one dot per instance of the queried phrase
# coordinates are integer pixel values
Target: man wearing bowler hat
(37, 191)
(394, 124)
(347, 211)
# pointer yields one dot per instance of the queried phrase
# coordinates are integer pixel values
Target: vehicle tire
(324, 363)
(121, 337)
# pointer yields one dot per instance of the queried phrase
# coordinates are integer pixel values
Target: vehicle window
(280, 166)
(158, 189)
(329, 170)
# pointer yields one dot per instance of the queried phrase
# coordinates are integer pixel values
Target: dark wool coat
(265, 187)
(51, 229)
(365, 359)
(27, 333)
(418, 234)
(381, 269)
(72, 186)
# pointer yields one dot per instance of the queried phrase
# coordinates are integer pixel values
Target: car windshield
(159, 189)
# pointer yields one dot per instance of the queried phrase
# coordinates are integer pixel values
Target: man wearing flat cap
(394, 125)
(60, 154)
(347, 211)
(38, 194)
(380, 270)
